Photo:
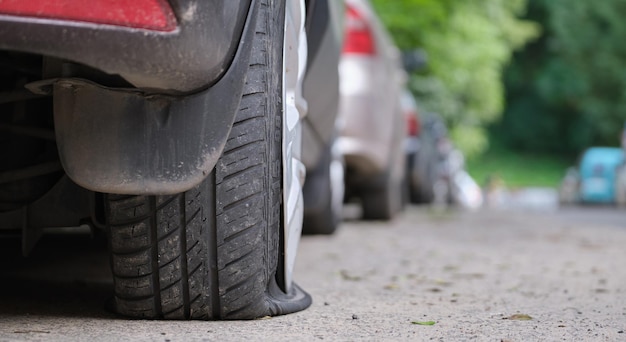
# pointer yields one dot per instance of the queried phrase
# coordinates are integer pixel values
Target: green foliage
(518, 170)
(567, 90)
(406, 19)
(472, 138)
(468, 43)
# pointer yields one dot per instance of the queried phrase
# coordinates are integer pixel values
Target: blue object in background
(598, 173)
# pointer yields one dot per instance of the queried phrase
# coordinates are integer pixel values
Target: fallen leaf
(347, 276)
(469, 276)
(442, 282)
(519, 317)
(424, 322)
(392, 286)
(450, 268)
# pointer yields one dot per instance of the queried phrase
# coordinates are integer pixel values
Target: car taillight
(413, 124)
(145, 14)
(359, 38)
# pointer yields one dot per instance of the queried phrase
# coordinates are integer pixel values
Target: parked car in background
(412, 143)
(620, 185)
(437, 168)
(428, 164)
(324, 185)
(174, 126)
(598, 177)
(373, 131)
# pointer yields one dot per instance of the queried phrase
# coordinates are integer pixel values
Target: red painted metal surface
(358, 39)
(145, 14)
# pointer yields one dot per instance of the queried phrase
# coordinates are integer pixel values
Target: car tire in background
(324, 194)
(382, 200)
(424, 175)
(219, 250)
(383, 196)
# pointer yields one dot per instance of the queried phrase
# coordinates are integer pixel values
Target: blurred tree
(468, 43)
(567, 90)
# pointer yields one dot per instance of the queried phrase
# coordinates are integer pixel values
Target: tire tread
(196, 255)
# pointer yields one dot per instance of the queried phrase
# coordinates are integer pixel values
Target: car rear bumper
(365, 139)
(130, 141)
(191, 57)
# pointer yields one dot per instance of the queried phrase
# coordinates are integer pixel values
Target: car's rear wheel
(382, 197)
(225, 249)
(424, 177)
(324, 193)
(383, 200)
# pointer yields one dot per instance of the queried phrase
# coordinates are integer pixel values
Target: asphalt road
(491, 275)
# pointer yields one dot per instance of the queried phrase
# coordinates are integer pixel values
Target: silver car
(324, 186)
(373, 127)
